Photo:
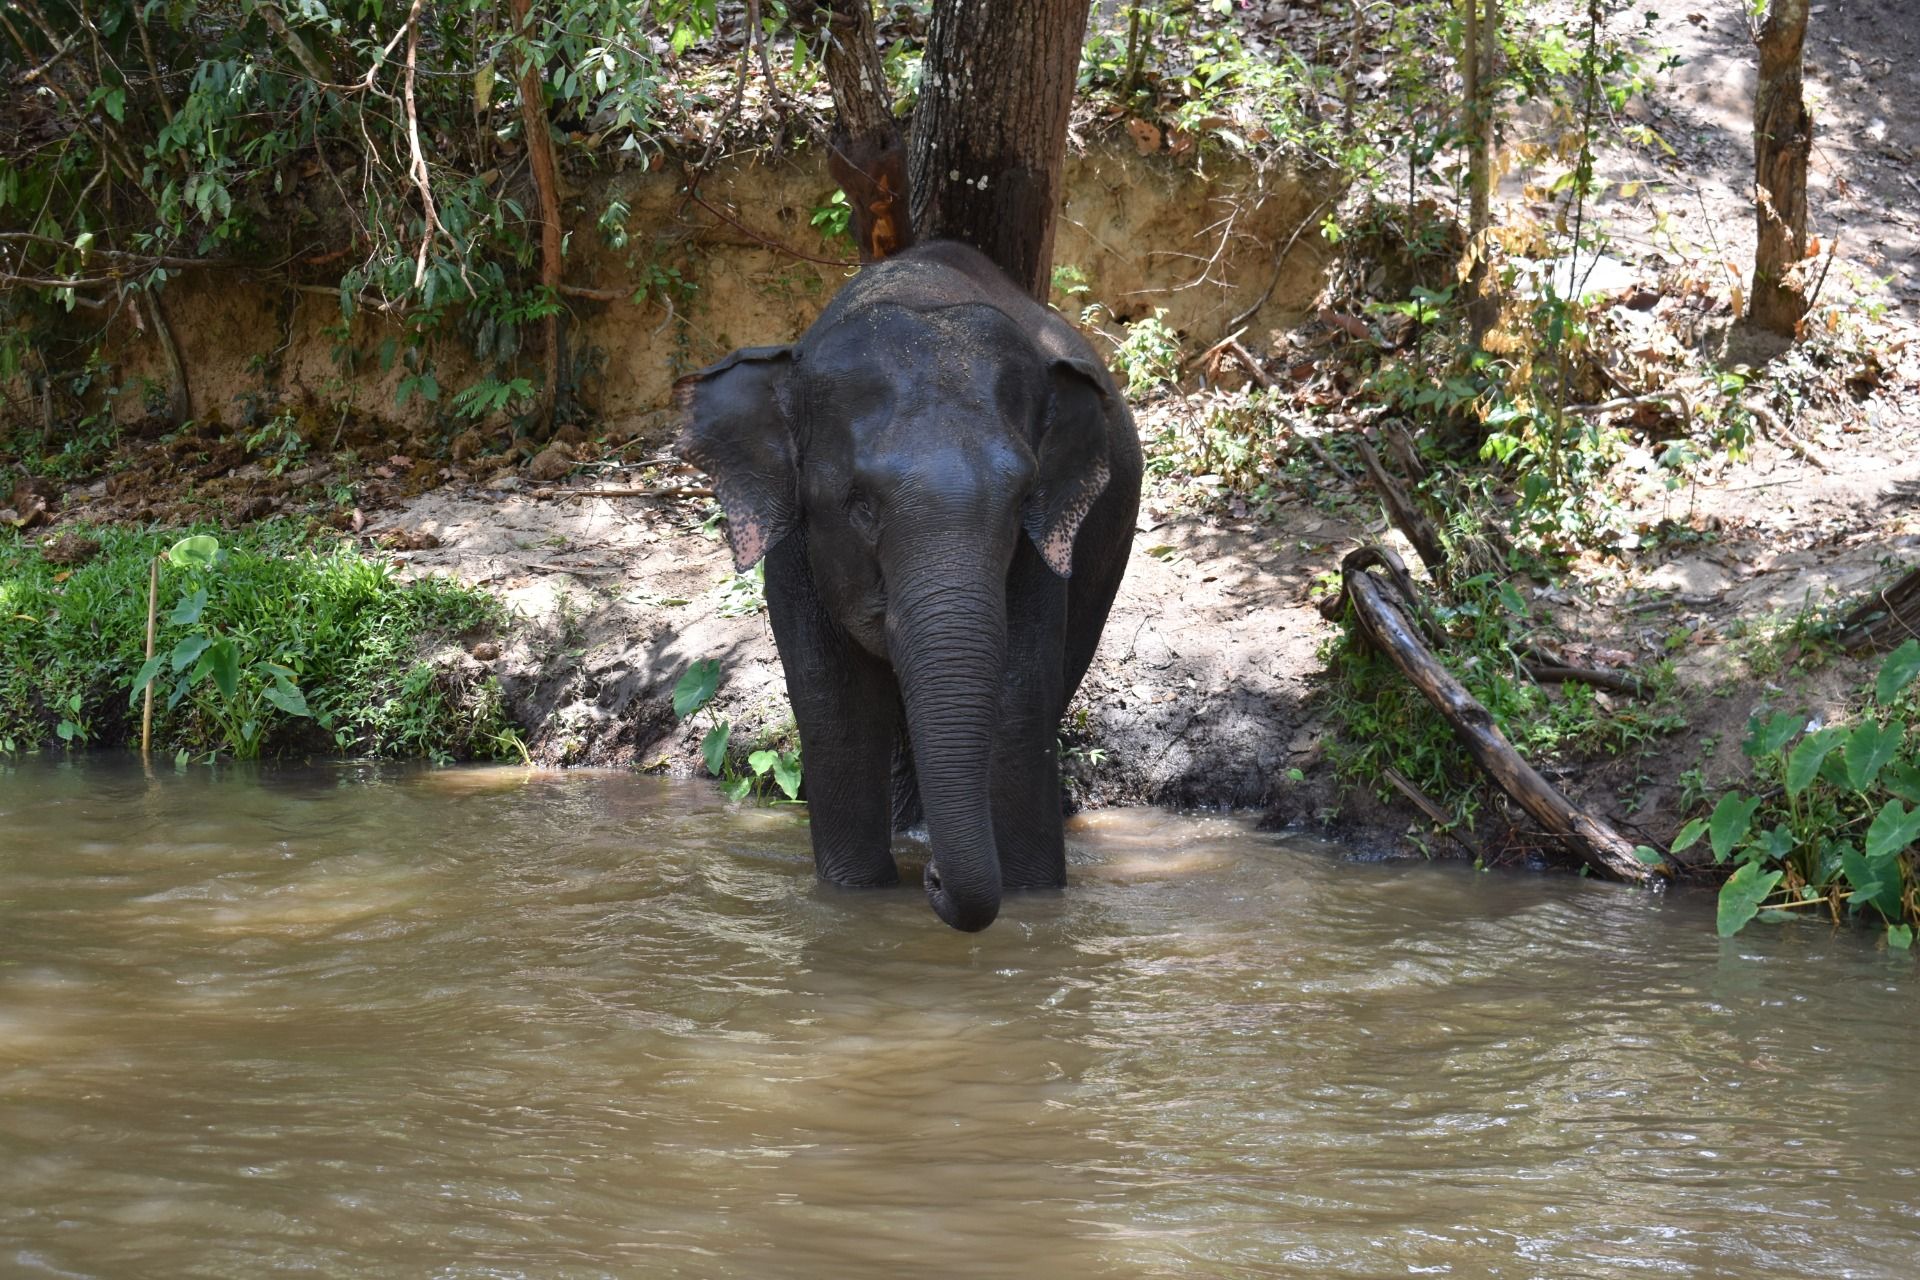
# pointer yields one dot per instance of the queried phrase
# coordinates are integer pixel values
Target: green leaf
(1894, 828)
(786, 772)
(737, 789)
(187, 612)
(1902, 779)
(1648, 855)
(1870, 747)
(1741, 896)
(1897, 672)
(66, 730)
(1763, 739)
(713, 748)
(696, 687)
(1728, 826)
(145, 675)
(222, 662)
(197, 552)
(1690, 834)
(1803, 766)
(188, 650)
(1873, 886)
(286, 695)
(1899, 937)
(761, 761)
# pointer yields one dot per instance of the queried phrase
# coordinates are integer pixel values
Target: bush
(284, 621)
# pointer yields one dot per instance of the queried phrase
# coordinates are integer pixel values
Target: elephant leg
(1027, 822)
(847, 705)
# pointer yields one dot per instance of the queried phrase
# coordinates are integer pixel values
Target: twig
(1778, 431)
(693, 194)
(1448, 824)
(666, 491)
(1632, 402)
(418, 164)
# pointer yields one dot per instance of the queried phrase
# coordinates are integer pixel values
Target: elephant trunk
(948, 646)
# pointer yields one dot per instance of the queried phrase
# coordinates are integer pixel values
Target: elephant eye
(859, 510)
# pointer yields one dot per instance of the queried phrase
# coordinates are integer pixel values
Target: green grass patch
(302, 620)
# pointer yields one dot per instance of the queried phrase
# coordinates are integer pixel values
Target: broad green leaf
(786, 772)
(1803, 766)
(66, 730)
(1741, 896)
(1897, 672)
(1869, 748)
(188, 651)
(1894, 828)
(696, 688)
(286, 695)
(1648, 855)
(1690, 834)
(187, 612)
(761, 761)
(197, 552)
(222, 662)
(1728, 826)
(1902, 779)
(1873, 886)
(1763, 739)
(738, 788)
(713, 748)
(180, 688)
(1899, 937)
(145, 675)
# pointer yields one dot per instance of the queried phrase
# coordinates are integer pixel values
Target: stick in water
(153, 603)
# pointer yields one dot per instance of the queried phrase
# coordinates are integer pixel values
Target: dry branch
(1889, 617)
(1406, 517)
(1383, 623)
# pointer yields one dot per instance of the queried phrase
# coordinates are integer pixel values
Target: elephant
(943, 480)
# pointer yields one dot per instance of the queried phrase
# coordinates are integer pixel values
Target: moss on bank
(350, 634)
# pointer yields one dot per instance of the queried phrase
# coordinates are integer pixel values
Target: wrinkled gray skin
(943, 480)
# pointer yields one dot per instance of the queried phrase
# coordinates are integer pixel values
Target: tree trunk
(1481, 39)
(868, 157)
(546, 179)
(990, 131)
(1782, 141)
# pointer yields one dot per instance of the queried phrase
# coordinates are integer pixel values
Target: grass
(73, 637)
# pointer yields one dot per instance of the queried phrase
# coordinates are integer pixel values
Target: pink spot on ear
(749, 539)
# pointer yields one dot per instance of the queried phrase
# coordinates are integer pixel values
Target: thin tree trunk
(1481, 39)
(1782, 142)
(868, 157)
(533, 123)
(990, 131)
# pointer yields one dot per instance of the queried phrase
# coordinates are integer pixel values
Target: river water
(460, 1023)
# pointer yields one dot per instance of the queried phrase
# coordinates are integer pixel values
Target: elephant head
(913, 448)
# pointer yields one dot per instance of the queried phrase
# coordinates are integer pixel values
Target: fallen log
(1384, 624)
(1886, 618)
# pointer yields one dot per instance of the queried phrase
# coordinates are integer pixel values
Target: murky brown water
(484, 1023)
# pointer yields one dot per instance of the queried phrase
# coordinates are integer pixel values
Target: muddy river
(463, 1023)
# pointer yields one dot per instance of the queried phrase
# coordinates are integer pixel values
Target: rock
(71, 548)
(469, 443)
(551, 463)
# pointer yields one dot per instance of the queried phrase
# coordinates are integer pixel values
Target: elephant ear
(737, 432)
(1072, 469)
